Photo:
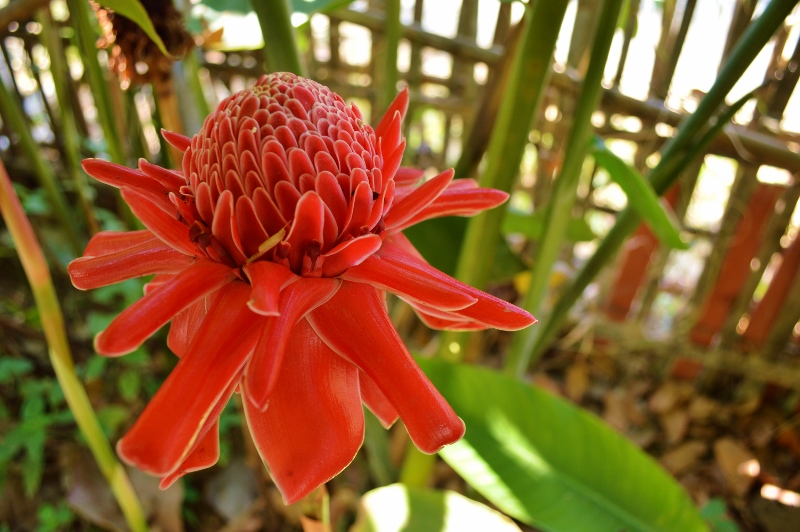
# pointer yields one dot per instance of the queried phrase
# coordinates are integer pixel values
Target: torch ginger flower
(272, 250)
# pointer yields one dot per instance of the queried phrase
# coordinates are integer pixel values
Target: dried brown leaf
(675, 424)
(732, 458)
(614, 410)
(576, 380)
(684, 457)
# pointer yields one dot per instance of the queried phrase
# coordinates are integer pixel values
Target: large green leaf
(439, 241)
(551, 464)
(532, 226)
(641, 196)
(133, 9)
(398, 507)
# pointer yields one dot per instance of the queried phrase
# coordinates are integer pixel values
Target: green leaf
(641, 196)
(439, 241)
(397, 507)
(129, 385)
(11, 368)
(111, 418)
(135, 11)
(318, 6)
(532, 226)
(551, 464)
(33, 463)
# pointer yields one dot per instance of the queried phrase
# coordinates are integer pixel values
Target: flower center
(267, 147)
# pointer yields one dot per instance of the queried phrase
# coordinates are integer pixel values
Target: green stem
(559, 209)
(44, 293)
(529, 77)
(417, 467)
(60, 72)
(393, 27)
(84, 27)
(11, 108)
(675, 155)
(280, 42)
(191, 67)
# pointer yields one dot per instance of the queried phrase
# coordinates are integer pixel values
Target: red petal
(314, 425)
(399, 105)
(331, 193)
(297, 300)
(139, 321)
(392, 163)
(203, 456)
(417, 200)
(106, 242)
(286, 197)
(167, 178)
(176, 140)
(444, 321)
(458, 202)
(354, 323)
(406, 176)
(377, 403)
(194, 392)
(251, 231)
(157, 281)
(119, 176)
(488, 309)
(268, 279)
(172, 232)
(406, 276)
(268, 213)
(185, 325)
(147, 258)
(350, 253)
(309, 218)
(359, 209)
(224, 227)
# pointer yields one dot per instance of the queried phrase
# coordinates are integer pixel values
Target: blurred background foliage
(586, 111)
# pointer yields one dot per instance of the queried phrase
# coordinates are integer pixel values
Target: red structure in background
(764, 314)
(633, 269)
(745, 244)
(746, 241)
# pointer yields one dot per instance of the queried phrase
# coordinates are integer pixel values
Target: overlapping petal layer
(272, 251)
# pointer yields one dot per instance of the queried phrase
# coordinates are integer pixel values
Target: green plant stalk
(417, 467)
(559, 209)
(376, 442)
(191, 67)
(12, 111)
(530, 74)
(81, 16)
(281, 53)
(58, 68)
(391, 76)
(662, 177)
(44, 293)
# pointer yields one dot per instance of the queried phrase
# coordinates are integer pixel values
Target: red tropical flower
(272, 251)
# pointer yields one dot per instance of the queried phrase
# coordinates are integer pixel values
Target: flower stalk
(281, 53)
(529, 77)
(35, 266)
(559, 209)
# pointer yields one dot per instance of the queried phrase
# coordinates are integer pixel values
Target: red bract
(272, 251)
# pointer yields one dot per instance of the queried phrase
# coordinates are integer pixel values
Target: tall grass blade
(35, 266)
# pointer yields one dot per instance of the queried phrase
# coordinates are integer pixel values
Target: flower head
(272, 250)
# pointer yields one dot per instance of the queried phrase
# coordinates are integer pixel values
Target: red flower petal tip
(273, 247)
